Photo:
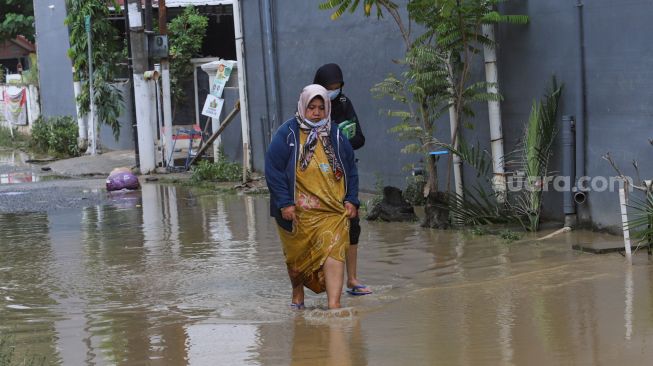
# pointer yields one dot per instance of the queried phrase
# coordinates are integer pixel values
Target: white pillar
(143, 100)
(167, 106)
(494, 113)
(81, 119)
(242, 88)
(623, 203)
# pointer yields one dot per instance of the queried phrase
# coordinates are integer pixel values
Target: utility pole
(165, 77)
(142, 92)
(130, 69)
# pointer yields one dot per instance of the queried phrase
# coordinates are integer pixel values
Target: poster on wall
(222, 75)
(212, 106)
(15, 103)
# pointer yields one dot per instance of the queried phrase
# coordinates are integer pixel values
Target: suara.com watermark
(560, 183)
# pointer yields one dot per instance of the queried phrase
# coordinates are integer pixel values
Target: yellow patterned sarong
(322, 228)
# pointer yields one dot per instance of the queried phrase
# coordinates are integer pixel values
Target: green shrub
(40, 135)
(57, 135)
(414, 192)
(220, 171)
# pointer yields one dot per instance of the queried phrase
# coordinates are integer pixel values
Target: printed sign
(221, 77)
(212, 106)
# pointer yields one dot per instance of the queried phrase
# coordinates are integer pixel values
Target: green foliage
(535, 152)
(509, 236)
(414, 192)
(107, 54)
(13, 139)
(478, 207)
(9, 356)
(186, 33)
(2, 75)
(342, 5)
(641, 224)
(479, 231)
(56, 136)
(17, 19)
(31, 75)
(220, 171)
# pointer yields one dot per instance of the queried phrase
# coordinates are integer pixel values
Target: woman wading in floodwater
(313, 182)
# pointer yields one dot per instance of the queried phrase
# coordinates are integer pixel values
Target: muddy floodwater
(171, 276)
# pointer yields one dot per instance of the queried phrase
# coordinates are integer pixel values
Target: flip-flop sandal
(359, 290)
(294, 306)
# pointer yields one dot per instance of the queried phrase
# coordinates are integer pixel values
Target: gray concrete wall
(126, 139)
(618, 74)
(55, 68)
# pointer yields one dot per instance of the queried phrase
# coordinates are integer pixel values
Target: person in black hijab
(344, 115)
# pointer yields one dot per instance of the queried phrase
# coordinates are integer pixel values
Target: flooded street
(171, 276)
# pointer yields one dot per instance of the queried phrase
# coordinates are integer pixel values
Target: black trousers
(354, 230)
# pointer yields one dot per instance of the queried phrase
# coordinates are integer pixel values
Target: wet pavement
(175, 276)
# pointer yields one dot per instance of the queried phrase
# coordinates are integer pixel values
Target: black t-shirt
(343, 110)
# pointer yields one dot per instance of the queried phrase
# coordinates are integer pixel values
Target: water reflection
(170, 276)
(330, 342)
(18, 177)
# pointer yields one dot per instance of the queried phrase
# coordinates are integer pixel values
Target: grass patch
(18, 141)
(9, 356)
(509, 236)
(479, 231)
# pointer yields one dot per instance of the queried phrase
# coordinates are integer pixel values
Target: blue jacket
(281, 162)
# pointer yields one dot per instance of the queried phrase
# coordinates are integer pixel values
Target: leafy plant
(13, 139)
(56, 135)
(535, 153)
(642, 222)
(18, 19)
(414, 192)
(40, 135)
(220, 171)
(31, 75)
(106, 53)
(479, 231)
(509, 236)
(186, 33)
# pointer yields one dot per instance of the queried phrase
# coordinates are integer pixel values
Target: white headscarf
(308, 93)
(319, 130)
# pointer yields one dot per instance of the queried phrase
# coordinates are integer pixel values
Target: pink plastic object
(122, 180)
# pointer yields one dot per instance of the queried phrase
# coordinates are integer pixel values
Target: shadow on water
(171, 276)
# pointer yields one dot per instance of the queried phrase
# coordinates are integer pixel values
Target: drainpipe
(580, 191)
(568, 167)
(270, 61)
